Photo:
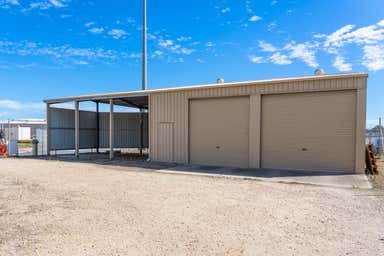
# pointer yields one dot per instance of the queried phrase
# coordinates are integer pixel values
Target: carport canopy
(136, 99)
(128, 99)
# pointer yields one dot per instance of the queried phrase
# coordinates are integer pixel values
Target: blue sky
(58, 48)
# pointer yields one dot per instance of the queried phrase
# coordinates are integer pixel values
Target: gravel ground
(64, 208)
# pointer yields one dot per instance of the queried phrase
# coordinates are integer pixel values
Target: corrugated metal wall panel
(88, 129)
(62, 129)
(127, 129)
(166, 135)
(173, 107)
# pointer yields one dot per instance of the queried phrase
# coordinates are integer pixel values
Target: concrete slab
(319, 178)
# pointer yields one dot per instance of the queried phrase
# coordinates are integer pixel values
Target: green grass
(24, 141)
(25, 144)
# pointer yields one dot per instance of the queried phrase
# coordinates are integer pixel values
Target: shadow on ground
(323, 178)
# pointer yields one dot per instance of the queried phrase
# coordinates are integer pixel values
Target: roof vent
(319, 72)
(219, 80)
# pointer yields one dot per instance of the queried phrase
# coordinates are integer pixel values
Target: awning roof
(134, 102)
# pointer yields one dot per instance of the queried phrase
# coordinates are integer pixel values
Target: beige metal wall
(172, 107)
(166, 135)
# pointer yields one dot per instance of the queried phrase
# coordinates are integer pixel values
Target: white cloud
(266, 47)
(184, 38)
(39, 5)
(340, 64)
(303, 51)
(186, 51)
(248, 7)
(12, 2)
(26, 66)
(11, 108)
(374, 57)
(200, 60)
(45, 5)
(272, 26)
(57, 3)
(366, 35)
(255, 59)
(273, 2)
(280, 59)
(170, 48)
(89, 24)
(370, 123)
(157, 53)
(80, 62)
(10, 104)
(135, 55)
(118, 33)
(5, 114)
(64, 16)
(165, 43)
(96, 30)
(130, 20)
(7, 4)
(225, 10)
(254, 18)
(209, 44)
(369, 38)
(319, 36)
(63, 54)
(16, 105)
(151, 36)
(336, 37)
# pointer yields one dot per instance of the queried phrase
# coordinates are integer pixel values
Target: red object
(3, 150)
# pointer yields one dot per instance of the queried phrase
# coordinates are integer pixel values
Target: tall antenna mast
(144, 67)
(381, 142)
(144, 72)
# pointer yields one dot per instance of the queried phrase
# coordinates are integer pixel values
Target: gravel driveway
(64, 208)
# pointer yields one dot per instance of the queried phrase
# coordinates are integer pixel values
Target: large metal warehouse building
(303, 123)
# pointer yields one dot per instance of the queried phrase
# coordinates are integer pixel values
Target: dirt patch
(378, 180)
(68, 208)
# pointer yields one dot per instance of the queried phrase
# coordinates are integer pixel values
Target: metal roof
(140, 98)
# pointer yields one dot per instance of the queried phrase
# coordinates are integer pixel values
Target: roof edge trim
(206, 86)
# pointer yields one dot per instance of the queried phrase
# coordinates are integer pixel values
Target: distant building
(375, 136)
(22, 129)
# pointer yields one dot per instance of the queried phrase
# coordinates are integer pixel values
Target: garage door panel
(309, 130)
(219, 131)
